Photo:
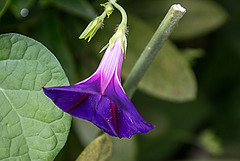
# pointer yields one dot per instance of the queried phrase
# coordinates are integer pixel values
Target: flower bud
(92, 27)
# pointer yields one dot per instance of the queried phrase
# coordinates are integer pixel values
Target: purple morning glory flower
(101, 99)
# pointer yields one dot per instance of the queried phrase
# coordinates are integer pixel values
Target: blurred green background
(190, 93)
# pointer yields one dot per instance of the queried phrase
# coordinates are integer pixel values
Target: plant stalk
(164, 30)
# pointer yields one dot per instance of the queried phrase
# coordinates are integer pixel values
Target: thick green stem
(164, 30)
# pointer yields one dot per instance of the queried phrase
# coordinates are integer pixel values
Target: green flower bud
(93, 27)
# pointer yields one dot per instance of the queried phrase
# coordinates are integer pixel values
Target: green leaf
(89, 133)
(49, 31)
(17, 5)
(80, 8)
(124, 149)
(210, 142)
(4, 6)
(169, 76)
(191, 54)
(99, 149)
(31, 126)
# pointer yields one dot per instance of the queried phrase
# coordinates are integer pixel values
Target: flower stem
(123, 13)
(164, 30)
(104, 14)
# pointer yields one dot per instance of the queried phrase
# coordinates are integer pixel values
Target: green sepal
(120, 34)
(93, 27)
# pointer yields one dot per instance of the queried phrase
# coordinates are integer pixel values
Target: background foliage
(191, 93)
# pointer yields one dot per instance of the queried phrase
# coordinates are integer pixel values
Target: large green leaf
(31, 126)
(100, 149)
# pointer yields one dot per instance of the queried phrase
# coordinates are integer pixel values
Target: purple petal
(92, 107)
(68, 97)
(113, 112)
(111, 63)
(129, 120)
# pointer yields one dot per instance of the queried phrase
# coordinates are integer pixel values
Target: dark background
(192, 93)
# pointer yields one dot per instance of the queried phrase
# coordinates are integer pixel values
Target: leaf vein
(14, 108)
